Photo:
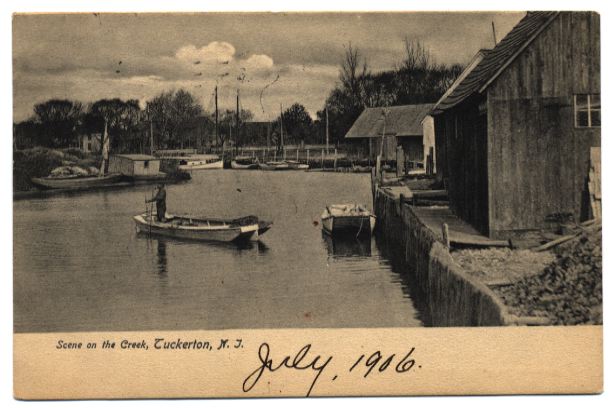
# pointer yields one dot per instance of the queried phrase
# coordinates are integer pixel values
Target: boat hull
(219, 232)
(238, 166)
(274, 166)
(296, 165)
(201, 166)
(349, 225)
(75, 182)
(347, 219)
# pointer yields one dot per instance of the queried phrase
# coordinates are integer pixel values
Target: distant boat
(75, 182)
(202, 229)
(279, 165)
(204, 162)
(245, 163)
(347, 218)
(296, 165)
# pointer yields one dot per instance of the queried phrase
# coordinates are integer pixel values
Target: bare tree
(354, 69)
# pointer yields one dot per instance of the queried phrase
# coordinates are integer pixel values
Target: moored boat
(245, 163)
(204, 162)
(279, 165)
(75, 182)
(347, 218)
(296, 165)
(200, 229)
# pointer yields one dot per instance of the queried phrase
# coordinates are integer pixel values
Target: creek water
(79, 264)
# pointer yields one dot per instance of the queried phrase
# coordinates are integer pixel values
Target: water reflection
(347, 245)
(161, 257)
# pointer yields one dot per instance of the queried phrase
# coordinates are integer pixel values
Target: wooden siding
(465, 151)
(538, 160)
(128, 167)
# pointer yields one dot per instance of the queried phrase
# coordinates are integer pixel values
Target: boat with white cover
(347, 218)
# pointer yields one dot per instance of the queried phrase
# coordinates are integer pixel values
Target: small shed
(134, 165)
(402, 128)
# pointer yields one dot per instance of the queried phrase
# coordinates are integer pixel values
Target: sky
(272, 59)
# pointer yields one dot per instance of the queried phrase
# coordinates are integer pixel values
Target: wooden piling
(335, 159)
(445, 231)
(307, 162)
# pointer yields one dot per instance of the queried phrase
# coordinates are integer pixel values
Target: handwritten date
(305, 360)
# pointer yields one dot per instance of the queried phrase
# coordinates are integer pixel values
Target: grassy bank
(40, 162)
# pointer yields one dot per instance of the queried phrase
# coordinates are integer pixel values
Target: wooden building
(134, 165)
(514, 136)
(90, 142)
(403, 127)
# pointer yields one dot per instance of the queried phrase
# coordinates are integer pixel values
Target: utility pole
(327, 132)
(494, 33)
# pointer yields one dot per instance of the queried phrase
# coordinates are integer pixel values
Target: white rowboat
(347, 219)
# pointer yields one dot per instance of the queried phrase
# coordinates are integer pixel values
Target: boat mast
(281, 120)
(216, 118)
(105, 148)
(150, 133)
(237, 122)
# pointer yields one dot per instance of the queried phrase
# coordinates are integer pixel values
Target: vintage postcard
(306, 204)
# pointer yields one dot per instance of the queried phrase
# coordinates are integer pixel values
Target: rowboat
(204, 162)
(75, 182)
(347, 218)
(280, 165)
(245, 163)
(200, 229)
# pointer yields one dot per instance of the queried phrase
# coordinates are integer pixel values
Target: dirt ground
(499, 266)
(563, 284)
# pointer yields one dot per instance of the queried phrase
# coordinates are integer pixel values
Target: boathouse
(402, 126)
(514, 136)
(134, 165)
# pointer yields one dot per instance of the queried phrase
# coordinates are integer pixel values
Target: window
(587, 110)
(146, 164)
(89, 147)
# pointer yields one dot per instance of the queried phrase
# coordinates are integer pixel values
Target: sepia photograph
(292, 170)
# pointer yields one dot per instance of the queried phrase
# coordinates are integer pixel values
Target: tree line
(178, 120)
(417, 78)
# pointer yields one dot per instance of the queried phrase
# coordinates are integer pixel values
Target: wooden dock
(435, 217)
(459, 233)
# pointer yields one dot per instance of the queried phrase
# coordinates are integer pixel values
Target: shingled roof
(497, 59)
(404, 120)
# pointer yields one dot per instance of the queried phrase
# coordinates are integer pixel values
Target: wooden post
(275, 156)
(284, 152)
(297, 154)
(322, 159)
(445, 231)
(335, 159)
(307, 156)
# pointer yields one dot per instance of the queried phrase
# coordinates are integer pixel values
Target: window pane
(582, 118)
(596, 118)
(595, 101)
(581, 101)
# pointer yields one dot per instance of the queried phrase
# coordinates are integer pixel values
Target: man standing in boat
(160, 202)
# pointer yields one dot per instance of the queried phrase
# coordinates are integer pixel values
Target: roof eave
(519, 51)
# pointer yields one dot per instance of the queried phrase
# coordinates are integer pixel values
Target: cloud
(258, 62)
(214, 52)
